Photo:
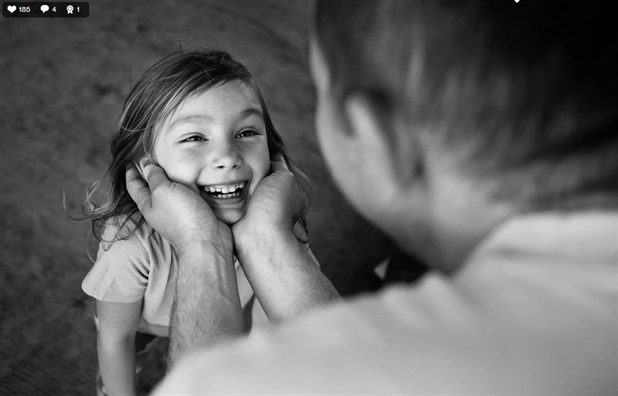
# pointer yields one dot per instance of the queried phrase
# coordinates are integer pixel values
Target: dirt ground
(62, 82)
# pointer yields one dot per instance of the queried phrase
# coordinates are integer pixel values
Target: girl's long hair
(151, 99)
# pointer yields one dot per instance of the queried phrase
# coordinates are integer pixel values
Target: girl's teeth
(225, 189)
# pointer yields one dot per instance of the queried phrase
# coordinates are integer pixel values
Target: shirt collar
(565, 237)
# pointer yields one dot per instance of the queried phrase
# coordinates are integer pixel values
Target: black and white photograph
(309, 197)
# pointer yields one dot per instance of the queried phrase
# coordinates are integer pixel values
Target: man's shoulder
(442, 336)
(368, 345)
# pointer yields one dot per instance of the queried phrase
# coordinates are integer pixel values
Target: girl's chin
(229, 216)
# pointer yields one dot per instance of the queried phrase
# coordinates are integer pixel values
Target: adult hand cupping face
(276, 202)
(175, 211)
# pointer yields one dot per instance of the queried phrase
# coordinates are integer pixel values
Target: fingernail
(143, 167)
(144, 162)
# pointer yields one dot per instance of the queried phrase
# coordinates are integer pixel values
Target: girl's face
(216, 144)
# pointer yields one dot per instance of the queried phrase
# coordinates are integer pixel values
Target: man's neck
(458, 216)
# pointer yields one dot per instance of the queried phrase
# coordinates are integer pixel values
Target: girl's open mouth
(225, 191)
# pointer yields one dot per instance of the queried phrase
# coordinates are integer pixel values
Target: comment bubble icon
(44, 8)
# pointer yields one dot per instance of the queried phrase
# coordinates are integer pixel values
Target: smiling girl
(201, 117)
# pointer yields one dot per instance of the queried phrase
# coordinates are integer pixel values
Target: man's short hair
(521, 97)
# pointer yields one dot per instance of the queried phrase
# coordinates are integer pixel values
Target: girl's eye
(194, 138)
(247, 133)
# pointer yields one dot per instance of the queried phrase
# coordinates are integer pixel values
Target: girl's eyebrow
(192, 119)
(206, 119)
(251, 111)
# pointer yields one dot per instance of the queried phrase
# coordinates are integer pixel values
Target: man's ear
(373, 126)
(364, 116)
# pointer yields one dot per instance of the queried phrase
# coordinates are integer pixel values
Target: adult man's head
(496, 103)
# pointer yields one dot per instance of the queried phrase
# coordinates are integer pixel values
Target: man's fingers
(142, 178)
(138, 189)
(278, 164)
(153, 174)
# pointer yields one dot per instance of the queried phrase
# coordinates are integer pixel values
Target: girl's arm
(118, 323)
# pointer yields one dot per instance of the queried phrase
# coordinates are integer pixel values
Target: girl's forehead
(236, 89)
(226, 97)
(233, 91)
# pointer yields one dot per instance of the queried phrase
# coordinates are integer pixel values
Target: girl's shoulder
(136, 242)
(124, 228)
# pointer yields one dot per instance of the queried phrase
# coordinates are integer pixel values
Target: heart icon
(11, 8)
(44, 8)
(517, 1)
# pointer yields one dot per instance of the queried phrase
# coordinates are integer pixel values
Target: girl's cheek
(264, 169)
(265, 158)
(180, 171)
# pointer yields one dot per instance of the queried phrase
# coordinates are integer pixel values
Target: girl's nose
(226, 157)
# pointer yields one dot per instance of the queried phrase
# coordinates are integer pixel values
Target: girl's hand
(175, 211)
(276, 202)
